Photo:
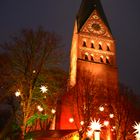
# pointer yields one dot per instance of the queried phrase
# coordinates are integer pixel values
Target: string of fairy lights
(43, 89)
(95, 125)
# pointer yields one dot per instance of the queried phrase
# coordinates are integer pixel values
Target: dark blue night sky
(58, 16)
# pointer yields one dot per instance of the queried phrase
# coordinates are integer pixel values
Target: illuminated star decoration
(43, 89)
(137, 130)
(95, 125)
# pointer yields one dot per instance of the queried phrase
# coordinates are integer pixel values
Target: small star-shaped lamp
(137, 130)
(95, 126)
(43, 89)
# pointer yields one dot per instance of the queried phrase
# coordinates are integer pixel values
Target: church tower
(93, 47)
(93, 50)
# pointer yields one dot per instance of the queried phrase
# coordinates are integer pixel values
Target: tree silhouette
(33, 54)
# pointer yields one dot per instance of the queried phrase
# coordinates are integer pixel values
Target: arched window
(108, 49)
(92, 58)
(86, 56)
(107, 60)
(100, 47)
(84, 44)
(92, 45)
(101, 59)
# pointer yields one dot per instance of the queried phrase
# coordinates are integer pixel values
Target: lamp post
(97, 134)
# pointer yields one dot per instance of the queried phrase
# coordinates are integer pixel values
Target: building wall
(68, 111)
(107, 74)
(91, 53)
(104, 72)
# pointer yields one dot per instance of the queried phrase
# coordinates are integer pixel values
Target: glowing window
(84, 44)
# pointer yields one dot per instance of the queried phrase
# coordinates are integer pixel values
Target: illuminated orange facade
(93, 50)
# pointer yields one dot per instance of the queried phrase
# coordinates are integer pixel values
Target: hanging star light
(137, 130)
(43, 89)
(95, 125)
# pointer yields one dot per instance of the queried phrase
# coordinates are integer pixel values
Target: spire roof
(86, 9)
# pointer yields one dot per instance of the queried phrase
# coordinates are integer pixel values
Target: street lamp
(97, 134)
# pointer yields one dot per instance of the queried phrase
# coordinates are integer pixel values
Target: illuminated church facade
(93, 50)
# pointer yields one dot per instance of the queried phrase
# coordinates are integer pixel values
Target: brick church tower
(93, 50)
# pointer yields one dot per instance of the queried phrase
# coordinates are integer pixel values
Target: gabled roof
(86, 9)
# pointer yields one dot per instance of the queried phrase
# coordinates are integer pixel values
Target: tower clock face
(96, 28)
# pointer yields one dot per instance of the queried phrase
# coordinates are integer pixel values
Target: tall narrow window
(107, 60)
(86, 56)
(84, 44)
(100, 47)
(92, 45)
(92, 58)
(101, 59)
(108, 49)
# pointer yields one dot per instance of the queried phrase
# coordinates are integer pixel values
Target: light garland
(17, 93)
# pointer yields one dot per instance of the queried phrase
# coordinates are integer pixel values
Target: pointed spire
(86, 9)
